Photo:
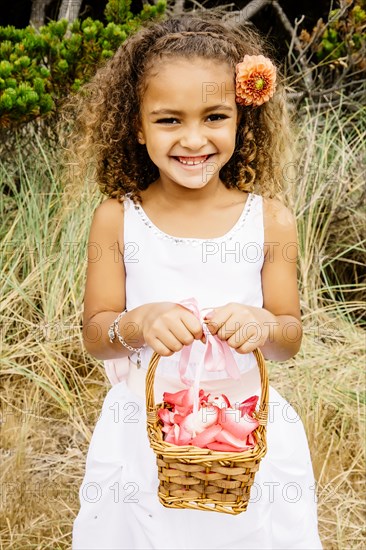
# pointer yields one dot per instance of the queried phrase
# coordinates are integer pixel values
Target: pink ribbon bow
(225, 359)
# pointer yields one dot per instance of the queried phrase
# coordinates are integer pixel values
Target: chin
(198, 185)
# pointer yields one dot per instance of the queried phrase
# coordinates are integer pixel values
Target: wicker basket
(202, 479)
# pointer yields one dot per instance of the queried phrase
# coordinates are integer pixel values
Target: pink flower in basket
(217, 426)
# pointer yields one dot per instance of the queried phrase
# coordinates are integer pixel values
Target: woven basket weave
(202, 479)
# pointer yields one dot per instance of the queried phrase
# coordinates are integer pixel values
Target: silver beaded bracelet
(114, 331)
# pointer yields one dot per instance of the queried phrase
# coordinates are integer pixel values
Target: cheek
(229, 129)
(157, 147)
(228, 136)
(161, 142)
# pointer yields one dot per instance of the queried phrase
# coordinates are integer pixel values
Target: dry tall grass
(52, 392)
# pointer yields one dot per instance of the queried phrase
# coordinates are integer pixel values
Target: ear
(140, 137)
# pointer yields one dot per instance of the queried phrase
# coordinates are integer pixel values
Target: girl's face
(189, 119)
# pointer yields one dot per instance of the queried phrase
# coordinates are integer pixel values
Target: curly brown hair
(105, 113)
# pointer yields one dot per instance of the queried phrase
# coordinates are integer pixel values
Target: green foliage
(342, 37)
(117, 11)
(343, 34)
(38, 68)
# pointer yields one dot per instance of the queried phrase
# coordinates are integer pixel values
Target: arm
(104, 296)
(165, 326)
(276, 327)
(281, 303)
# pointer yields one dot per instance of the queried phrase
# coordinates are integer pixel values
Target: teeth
(192, 162)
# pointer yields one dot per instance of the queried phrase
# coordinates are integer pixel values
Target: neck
(176, 195)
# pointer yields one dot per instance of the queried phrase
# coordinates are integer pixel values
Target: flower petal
(175, 398)
(252, 70)
(220, 400)
(239, 426)
(248, 406)
(251, 440)
(203, 397)
(184, 438)
(205, 418)
(170, 436)
(166, 416)
(216, 446)
(187, 400)
(226, 437)
(178, 418)
(207, 436)
(176, 433)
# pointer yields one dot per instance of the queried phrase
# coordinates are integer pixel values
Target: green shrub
(38, 68)
(342, 38)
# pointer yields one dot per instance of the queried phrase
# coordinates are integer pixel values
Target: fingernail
(209, 314)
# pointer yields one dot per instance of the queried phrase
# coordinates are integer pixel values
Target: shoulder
(276, 213)
(109, 207)
(277, 217)
(109, 211)
(109, 216)
(279, 223)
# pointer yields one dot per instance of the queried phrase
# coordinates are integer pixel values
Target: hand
(166, 327)
(245, 328)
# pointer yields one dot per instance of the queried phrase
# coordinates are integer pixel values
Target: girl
(188, 129)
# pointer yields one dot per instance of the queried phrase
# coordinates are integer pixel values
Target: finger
(246, 340)
(246, 348)
(255, 341)
(182, 334)
(208, 312)
(169, 340)
(229, 329)
(218, 320)
(192, 324)
(236, 339)
(160, 348)
(220, 325)
(212, 326)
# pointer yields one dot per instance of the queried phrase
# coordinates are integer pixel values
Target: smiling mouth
(193, 161)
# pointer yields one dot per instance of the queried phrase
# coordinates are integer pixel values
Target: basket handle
(262, 414)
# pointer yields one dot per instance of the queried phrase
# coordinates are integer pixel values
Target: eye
(222, 117)
(216, 117)
(165, 120)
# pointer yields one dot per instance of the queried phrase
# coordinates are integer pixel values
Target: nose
(193, 138)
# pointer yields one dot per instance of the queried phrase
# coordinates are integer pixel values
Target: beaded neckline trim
(186, 240)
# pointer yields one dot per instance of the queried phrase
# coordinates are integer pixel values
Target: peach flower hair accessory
(255, 80)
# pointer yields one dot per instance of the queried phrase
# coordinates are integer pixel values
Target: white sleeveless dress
(119, 507)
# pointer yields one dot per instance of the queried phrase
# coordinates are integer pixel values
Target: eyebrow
(173, 112)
